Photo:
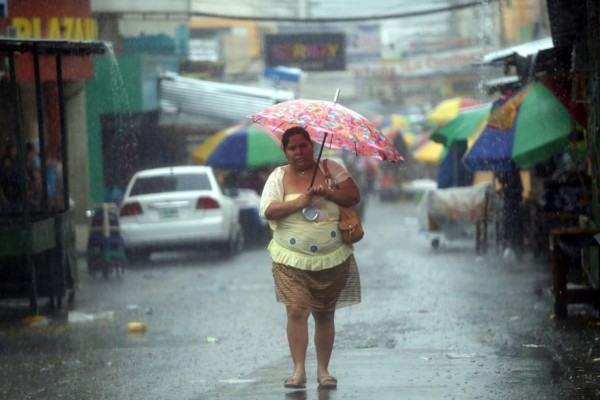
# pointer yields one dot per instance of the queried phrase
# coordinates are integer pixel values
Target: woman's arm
(345, 193)
(281, 209)
(272, 206)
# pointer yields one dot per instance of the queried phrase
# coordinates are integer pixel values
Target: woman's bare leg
(324, 338)
(297, 333)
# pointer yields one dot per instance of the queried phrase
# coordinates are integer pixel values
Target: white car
(255, 227)
(177, 207)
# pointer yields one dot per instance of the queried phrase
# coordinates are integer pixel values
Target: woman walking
(313, 269)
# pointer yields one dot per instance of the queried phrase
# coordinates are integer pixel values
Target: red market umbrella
(568, 88)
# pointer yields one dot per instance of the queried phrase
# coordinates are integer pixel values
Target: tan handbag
(350, 226)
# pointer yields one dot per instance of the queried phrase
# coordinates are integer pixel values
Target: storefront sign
(309, 52)
(363, 43)
(51, 20)
(56, 28)
(442, 61)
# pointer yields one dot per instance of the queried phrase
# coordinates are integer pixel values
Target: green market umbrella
(449, 109)
(457, 131)
(527, 127)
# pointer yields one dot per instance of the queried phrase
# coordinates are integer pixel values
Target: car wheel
(236, 242)
(138, 256)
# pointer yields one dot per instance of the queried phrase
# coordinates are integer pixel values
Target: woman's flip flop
(295, 382)
(327, 382)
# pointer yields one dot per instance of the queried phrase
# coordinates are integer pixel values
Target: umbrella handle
(318, 159)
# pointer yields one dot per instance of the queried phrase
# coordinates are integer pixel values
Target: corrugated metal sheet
(212, 99)
(522, 50)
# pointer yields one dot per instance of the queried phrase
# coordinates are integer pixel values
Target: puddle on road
(574, 379)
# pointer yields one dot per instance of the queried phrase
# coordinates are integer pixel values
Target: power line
(408, 14)
(349, 19)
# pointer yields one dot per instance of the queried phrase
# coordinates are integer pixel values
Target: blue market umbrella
(526, 127)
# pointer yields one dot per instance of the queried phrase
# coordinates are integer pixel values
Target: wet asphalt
(443, 323)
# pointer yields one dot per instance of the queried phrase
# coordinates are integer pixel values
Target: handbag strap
(327, 174)
(326, 169)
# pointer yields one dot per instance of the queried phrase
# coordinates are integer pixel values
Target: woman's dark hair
(295, 130)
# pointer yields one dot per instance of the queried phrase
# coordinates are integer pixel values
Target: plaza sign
(51, 20)
(56, 28)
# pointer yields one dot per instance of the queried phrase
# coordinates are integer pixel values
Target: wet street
(433, 324)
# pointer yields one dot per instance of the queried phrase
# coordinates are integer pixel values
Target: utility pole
(502, 32)
(304, 9)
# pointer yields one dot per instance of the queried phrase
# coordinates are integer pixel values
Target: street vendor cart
(458, 212)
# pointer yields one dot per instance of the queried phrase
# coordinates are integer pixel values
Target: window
(170, 183)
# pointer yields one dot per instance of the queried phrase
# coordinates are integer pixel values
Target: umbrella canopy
(430, 152)
(239, 147)
(393, 121)
(568, 88)
(449, 109)
(330, 123)
(392, 134)
(527, 127)
(457, 131)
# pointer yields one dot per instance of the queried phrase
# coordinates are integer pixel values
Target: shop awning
(524, 62)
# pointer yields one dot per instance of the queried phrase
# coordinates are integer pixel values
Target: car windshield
(170, 183)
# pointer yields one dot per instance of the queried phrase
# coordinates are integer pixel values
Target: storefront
(52, 20)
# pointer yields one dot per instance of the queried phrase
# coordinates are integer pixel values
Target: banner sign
(309, 52)
(52, 20)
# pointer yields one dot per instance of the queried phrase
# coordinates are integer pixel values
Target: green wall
(115, 89)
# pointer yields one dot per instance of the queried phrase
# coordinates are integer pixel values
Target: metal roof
(195, 97)
(522, 50)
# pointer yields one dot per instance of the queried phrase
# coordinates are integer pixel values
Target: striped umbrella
(449, 109)
(240, 147)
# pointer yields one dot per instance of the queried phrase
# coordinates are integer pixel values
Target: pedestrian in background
(9, 177)
(512, 210)
(314, 271)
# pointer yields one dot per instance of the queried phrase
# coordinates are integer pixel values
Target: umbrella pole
(335, 100)
(318, 159)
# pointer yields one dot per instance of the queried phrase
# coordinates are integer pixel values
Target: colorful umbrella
(239, 147)
(431, 152)
(330, 123)
(393, 121)
(449, 109)
(528, 126)
(457, 131)
(392, 134)
(568, 88)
